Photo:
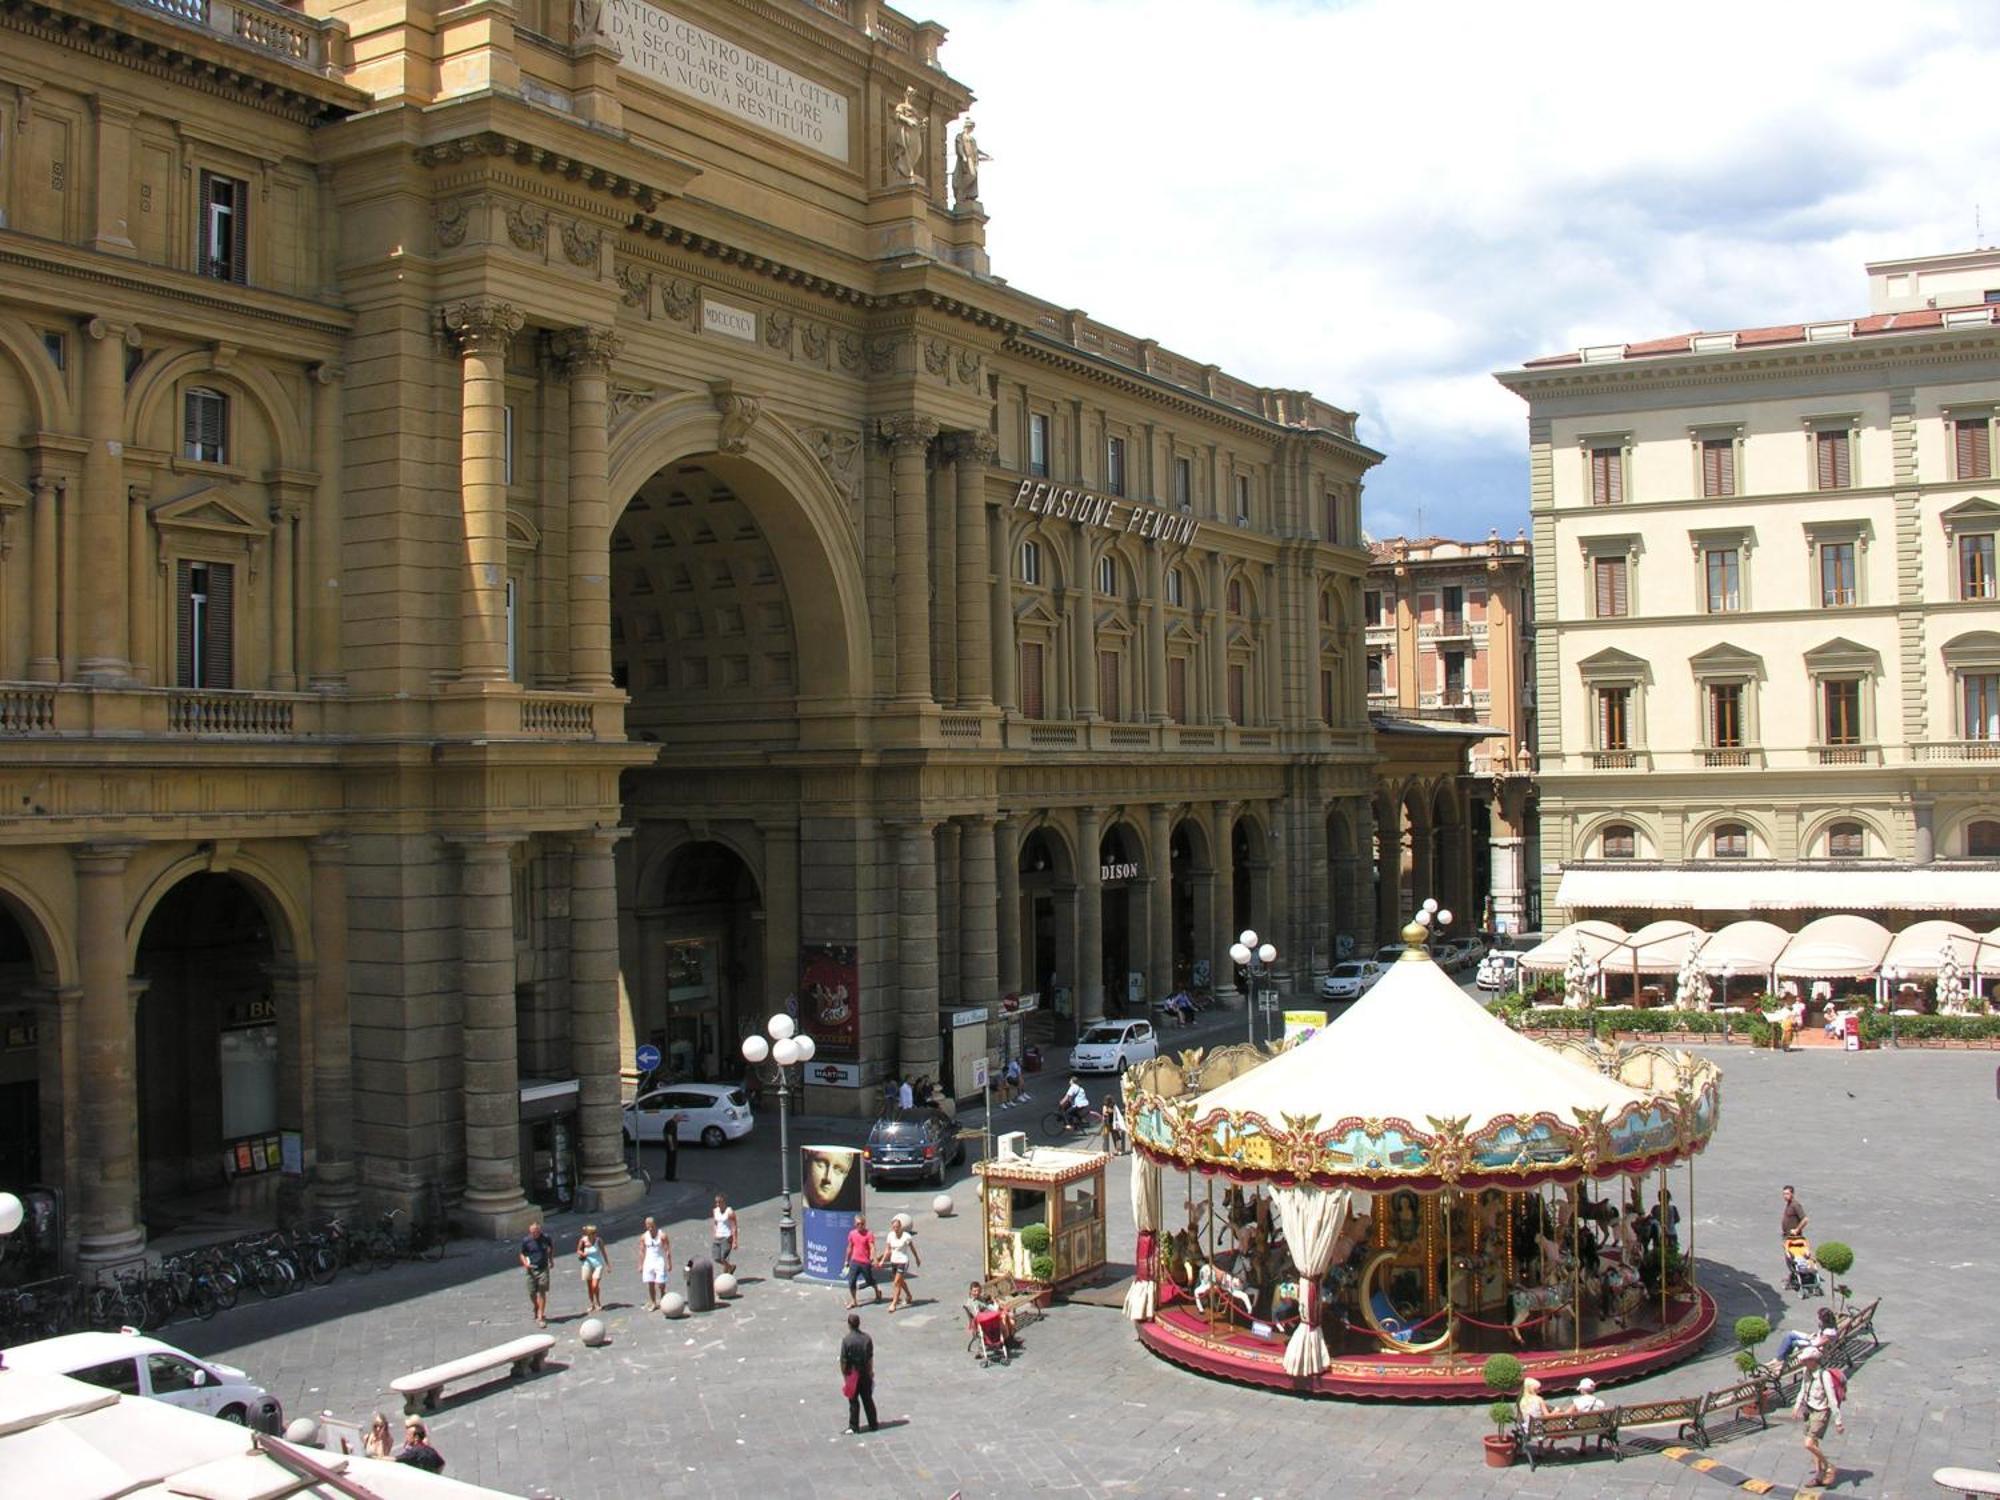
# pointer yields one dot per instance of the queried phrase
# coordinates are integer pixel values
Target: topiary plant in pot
(1503, 1373)
(1750, 1332)
(1837, 1259)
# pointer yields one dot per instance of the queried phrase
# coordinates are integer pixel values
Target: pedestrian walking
(655, 1255)
(537, 1251)
(1114, 1126)
(899, 1250)
(861, 1259)
(1818, 1404)
(857, 1374)
(906, 1096)
(722, 1234)
(379, 1442)
(417, 1451)
(1012, 1077)
(590, 1250)
(1792, 1219)
(670, 1144)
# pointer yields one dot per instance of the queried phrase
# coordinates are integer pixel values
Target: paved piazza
(1885, 1149)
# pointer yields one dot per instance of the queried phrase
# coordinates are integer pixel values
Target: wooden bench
(1023, 1307)
(420, 1388)
(1967, 1482)
(1560, 1426)
(1683, 1413)
(1859, 1323)
(1732, 1401)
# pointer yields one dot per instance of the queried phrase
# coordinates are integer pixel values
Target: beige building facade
(528, 532)
(1769, 642)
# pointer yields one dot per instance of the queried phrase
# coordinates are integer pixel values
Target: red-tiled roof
(1783, 333)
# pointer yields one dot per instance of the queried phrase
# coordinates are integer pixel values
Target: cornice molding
(155, 283)
(1678, 372)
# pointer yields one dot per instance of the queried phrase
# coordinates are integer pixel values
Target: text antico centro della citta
(1108, 513)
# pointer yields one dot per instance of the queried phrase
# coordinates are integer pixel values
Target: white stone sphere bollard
(592, 1332)
(674, 1305)
(942, 1206)
(725, 1285)
(304, 1431)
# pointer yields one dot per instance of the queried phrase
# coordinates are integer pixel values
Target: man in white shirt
(905, 1095)
(1587, 1398)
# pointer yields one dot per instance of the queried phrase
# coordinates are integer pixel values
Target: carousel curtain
(1312, 1219)
(1140, 1299)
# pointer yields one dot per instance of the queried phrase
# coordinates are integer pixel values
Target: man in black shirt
(537, 1250)
(857, 1369)
(417, 1451)
(1792, 1219)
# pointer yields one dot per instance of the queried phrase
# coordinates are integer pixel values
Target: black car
(912, 1145)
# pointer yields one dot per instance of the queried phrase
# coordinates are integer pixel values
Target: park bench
(1857, 1324)
(1732, 1402)
(420, 1388)
(1561, 1426)
(1682, 1412)
(1970, 1483)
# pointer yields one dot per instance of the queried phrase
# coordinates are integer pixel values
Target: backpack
(1838, 1383)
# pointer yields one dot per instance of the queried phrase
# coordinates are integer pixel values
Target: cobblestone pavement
(1890, 1151)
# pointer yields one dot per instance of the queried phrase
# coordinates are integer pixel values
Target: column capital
(124, 333)
(105, 857)
(597, 840)
(585, 350)
(482, 325)
(972, 447)
(907, 431)
(327, 372)
(483, 846)
(909, 826)
(327, 849)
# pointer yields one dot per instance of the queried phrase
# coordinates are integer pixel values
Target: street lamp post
(787, 1045)
(1255, 959)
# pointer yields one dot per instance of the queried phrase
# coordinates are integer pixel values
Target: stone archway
(1190, 867)
(700, 934)
(1048, 886)
(34, 1134)
(1123, 916)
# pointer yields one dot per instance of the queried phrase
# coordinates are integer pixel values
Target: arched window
(1731, 841)
(1982, 839)
(1107, 575)
(1031, 562)
(1176, 588)
(1621, 841)
(1235, 596)
(1846, 841)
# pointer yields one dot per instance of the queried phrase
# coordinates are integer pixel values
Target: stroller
(1802, 1273)
(987, 1337)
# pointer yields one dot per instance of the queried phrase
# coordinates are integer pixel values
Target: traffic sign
(648, 1058)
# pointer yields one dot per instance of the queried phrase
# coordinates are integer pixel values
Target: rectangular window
(1107, 576)
(1836, 575)
(1331, 533)
(1031, 679)
(1607, 476)
(225, 213)
(1847, 841)
(1326, 695)
(507, 445)
(58, 349)
(1371, 607)
(1979, 705)
(513, 631)
(1972, 447)
(1725, 580)
(1176, 588)
(1725, 716)
(1609, 576)
(1038, 443)
(1375, 672)
(1832, 463)
(1621, 842)
(1031, 563)
(204, 625)
(1184, 483)
(1242, 499)
(1177, 689)
(1732, 841)
(1975, 566)
(1841, 700)
(1614, 718)
(1236, 694)
(205, 426)
(1114, 465)
(1454, 679)
(1718, 467)
(1107, 685)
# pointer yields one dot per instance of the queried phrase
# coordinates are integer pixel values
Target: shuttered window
(1375, 672)
(204, 625)
(1607, 476)
(205, 426)
(1732, 841)
(1609, 575)
(1177, 689)
(1621, 841)
(1234, 594)
(1236, 686)
(1107, 685)
(1972, 447)
(1975, 566)
(1031, 679)
(1184, 483)
(1614, 718)
(1832, 460)
(1114, 465)
(1326, 695)
(225, 215)
(1718, 467)
(1847, 841)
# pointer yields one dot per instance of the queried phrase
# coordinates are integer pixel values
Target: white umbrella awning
(1843, 947)
(1920, 947)
(1657, 948)
(1750, 947)
(1550, 955)
(1778, 888)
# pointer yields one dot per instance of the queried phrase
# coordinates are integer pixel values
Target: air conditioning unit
(1012, 1146)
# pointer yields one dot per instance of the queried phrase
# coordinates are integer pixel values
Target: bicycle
(423, 1240)
(1059, 1123)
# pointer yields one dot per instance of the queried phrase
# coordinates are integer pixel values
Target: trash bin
(1031, 1059)
(701, 1285)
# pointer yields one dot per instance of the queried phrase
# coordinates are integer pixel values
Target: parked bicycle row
(200, 1283)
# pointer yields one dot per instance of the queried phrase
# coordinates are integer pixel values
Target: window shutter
(1326, 695)
(184, 624)
(1607, 476)
(1236, 714)
(1031, 679)
(239, 228)
(1718, 467)
(1610, 587)
(1177, 689)
(215, 426)
(1973, 438)
(1835, 472)
(219, 640)
(191, 424)
(1107, 684)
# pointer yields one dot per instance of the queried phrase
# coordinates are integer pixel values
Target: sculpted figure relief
(965, 172)
(586, 21)
(908, 122)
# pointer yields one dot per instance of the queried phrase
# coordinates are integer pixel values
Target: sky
(1385, 201)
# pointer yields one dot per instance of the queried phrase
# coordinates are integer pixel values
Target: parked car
(1388, 953)
(1113, 1046)
(1499, 971)
(135, 1365)
(1456, 954)
(711, 1113)
(1351, 980)
(912, 1145)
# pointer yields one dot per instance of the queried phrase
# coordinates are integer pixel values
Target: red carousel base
(1232, 1352)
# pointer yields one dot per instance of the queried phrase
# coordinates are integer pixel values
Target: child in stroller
(1801, 1270)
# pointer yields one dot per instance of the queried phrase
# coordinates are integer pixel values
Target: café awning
(1764, 887)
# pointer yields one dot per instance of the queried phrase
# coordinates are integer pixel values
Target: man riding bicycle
(1073, 1105)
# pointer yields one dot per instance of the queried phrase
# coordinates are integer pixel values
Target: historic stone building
(526, 532)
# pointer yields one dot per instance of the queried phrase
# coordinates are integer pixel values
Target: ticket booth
(1044, 1213)
(548, 1141)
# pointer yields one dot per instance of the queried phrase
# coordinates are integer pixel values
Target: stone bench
(1967, 1482)
(1561, 1426)
(420, 1388)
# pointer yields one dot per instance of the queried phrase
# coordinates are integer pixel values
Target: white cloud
(1386, 200)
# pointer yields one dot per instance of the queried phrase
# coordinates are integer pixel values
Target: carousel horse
(1285, 1306)
(1212, 1278)
(1600, 1214)
(1620, 1289)
(1557, 1296)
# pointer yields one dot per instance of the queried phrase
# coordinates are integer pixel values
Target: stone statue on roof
(965, 172)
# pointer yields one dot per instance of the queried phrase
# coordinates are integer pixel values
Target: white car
(712, 1113)
(1499, 971)
(1351, 980)
(1113, 1046)
(133, 1364)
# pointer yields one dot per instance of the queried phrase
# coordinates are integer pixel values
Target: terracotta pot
(1499, 1451)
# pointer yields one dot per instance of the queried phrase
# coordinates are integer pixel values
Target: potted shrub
(1837, 1260)
(1041, 1264)
(1750, 1332)
(1503, 1374)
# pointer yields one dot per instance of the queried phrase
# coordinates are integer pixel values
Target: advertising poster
(832, 1179)
(830, 997)
(1300, 1024)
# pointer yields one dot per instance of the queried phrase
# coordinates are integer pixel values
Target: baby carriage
(1801, 1270)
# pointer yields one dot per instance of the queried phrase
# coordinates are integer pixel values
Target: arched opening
(1343, 915)
(1185, 855)
(219, 1085)
(26, 1156)
(703, 929)
(1048, 908)
(1121, 900)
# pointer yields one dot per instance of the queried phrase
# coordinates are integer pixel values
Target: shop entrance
(1048, 894)
(20, 1062)
(1119, 869)
(709, 962)
(1182, 864)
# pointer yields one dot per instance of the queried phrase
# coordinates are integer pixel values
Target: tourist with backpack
(1820, 1395)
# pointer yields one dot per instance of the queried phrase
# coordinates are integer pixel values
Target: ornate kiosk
(1374, 1210)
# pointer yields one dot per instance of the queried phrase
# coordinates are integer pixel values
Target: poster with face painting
(833, 1182)
(830, 999)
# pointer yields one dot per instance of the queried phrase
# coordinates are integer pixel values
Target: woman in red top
(861, 1259)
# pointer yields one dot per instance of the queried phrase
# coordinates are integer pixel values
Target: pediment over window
(522, 533)
(1182, 631)
(1726, 660)
(1843, 655)
(1975, 649)
(1035, 610)
(214, 512)
(1976, 514)
(1613, 664)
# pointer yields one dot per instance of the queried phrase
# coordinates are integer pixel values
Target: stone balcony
(277, 30)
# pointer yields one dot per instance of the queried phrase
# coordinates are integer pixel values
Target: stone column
(58, 1087)
(335, 1188)
(291, 989)
(916, 950)
(1089, 916)
(45, 588)
(139, 582)
(1083, 631)
(593, 1004)
(587, 354)
(1156, 635)
(493, 1203)
(103, 626)
(1160, 963)
(1223, 970)
(1005, 664)
(974, 453)
(107, 1198)
(1007, 869)
(950, 978)
(284, 541)
(482, 329)
(978, 914)
(1217, 632)
(322, 573)
(909, 437)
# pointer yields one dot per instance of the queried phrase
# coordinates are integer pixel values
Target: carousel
(1376, 1209)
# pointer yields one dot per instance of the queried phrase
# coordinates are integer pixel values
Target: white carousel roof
(1417, 1047)
(1552, 954)
(1919, 949)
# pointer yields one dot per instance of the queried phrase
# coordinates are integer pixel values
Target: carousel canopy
(1919, 949)
(1843, 947)
(1418, 1085)
(1657, 948)
(1551, 954)
(1744, 948)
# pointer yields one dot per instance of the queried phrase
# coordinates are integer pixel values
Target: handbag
(850, 1383)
